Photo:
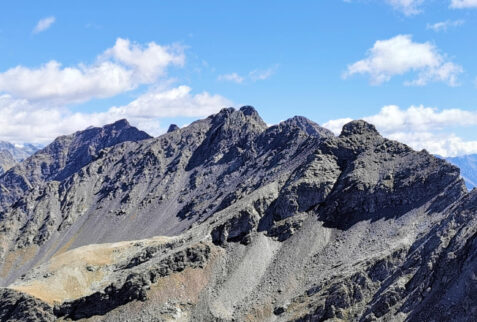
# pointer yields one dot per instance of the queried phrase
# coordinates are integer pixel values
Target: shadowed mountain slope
(279, 223)
(65, 156)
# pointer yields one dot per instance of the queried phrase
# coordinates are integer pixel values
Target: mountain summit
(230, 219)
(65, 156)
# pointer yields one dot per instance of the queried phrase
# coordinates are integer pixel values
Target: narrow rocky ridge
(62, 158)
(279, 223)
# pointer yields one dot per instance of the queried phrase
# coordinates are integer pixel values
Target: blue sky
(67, 65)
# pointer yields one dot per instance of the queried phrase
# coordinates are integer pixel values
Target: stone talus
(279, 223)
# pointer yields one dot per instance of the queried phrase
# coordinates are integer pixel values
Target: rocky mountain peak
(119, 124)
(231, 125)
(238, 221)
(307, 126)
(63, 157)
(113, 133)
(222, 114)
(229, 131)
(248, 110)
(172, 128)
(245, 118)
(359, 127)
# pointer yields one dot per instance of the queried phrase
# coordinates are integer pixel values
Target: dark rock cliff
(287, 222)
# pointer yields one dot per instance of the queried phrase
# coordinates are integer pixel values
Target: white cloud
(259, 74)
(34, 102)
(421, 128)
(443, 144)
(445, 25)
(52, 83)
(337, 125)
(254, 76)
(120, 68)
(44, 24)
(447, 72)
(400, 55)
(23, 121)
(408, 7)
(147, 63)
(158, 103)
(419, 118)
(233, 77)
(463, 4)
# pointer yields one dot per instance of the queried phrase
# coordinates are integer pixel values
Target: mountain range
(468, 168)
(11, 154)
(229, 219)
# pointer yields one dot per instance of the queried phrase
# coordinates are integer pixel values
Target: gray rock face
(11, 154)
(172, 128)
(6, 161)
(274, 223)
(62, 158)
(16, 306)
(19, 153)
(135, 283)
